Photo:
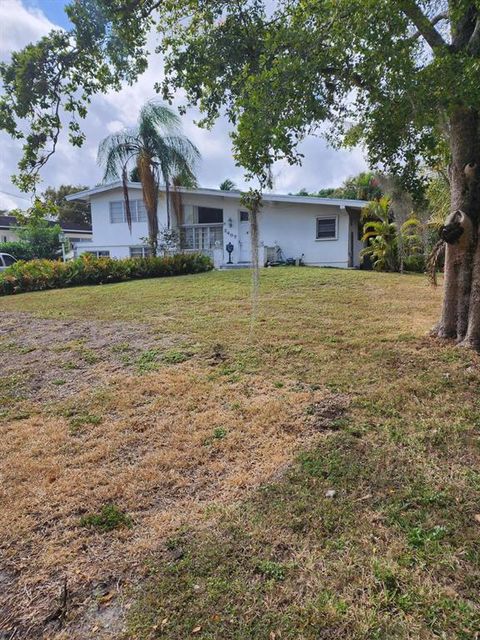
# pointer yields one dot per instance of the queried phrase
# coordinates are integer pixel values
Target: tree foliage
(384, 72)
(227, 185)
(438, 198)
(43, 238)
(73, 211)
(364, 186)
(380, 236)
(38, 239)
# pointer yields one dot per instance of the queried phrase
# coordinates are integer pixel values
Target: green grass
(394, 554)
(109, 517)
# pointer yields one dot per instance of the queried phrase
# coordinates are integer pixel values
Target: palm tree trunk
(167, 195)
(150, 197)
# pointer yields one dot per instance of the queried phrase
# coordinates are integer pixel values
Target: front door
(244, 238)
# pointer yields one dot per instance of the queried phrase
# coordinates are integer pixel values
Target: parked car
(6, 260)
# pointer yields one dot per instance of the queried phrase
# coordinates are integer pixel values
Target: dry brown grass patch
(168, 444)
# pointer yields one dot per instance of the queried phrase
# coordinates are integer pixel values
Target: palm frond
(115, 151)
(378, 209)
(183, 152)
(157, 116)
(227, 185)
(438, 195)
(412, 225)
(186, 179)
(434, 259)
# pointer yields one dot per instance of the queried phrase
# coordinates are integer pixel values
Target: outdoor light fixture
(230, 223)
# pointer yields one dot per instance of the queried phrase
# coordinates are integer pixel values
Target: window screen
(209, 215)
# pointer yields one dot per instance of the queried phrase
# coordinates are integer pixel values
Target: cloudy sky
(23, 21)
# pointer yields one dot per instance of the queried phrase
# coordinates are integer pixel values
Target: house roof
(7, 222)
(268, 197)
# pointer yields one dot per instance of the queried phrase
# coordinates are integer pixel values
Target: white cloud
(19, 26)
(322, 166)
(114, 126)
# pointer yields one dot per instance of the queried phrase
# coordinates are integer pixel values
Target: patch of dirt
(168, 446)
(328, 412)
(53, 359)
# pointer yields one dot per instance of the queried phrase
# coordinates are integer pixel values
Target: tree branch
(473, 45)
(433, 21)
(424, 25)
(464, 28)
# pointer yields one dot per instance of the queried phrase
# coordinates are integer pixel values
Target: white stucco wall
(115, 238)
(291, 226)
(7, 236)
(293, 229)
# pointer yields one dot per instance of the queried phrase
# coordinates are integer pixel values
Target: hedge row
(37, 275)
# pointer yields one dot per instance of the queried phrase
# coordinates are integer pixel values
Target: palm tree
(227, 185)
(381, 235)
(159, 151)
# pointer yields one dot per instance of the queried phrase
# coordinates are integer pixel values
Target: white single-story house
(76, 233)
(321, 231)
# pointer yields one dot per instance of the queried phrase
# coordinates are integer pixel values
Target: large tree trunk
(461, 305)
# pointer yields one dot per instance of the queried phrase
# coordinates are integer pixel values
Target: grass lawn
(315, 475)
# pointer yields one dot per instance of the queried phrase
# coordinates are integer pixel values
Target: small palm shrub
(38, 275)
(388, 246)
(380, 234)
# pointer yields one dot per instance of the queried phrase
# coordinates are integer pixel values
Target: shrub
(415, 263)
(42, 238)
(20, 250)
(37, 275)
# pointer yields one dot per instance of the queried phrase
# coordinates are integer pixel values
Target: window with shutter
(327, 228)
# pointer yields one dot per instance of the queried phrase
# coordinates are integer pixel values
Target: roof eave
(353, 204)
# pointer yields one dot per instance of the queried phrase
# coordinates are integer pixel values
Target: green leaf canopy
(384, 73)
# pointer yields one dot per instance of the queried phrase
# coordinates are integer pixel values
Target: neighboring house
(76, 233)
(324, 232)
